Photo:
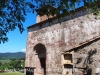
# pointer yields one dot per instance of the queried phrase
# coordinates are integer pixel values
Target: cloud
(23, 50)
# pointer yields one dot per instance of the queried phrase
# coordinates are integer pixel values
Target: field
(5, 61)
(12, 73)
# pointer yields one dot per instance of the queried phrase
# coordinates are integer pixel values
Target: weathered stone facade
(77, 33)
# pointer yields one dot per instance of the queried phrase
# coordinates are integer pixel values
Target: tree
(13, 12)
(65, 6)
(0, 63)
(22, 64)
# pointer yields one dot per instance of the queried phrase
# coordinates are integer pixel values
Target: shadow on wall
(88, 62)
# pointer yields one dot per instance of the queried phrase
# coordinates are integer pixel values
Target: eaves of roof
(77, 46)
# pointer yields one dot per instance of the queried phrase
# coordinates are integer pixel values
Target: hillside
(9, 55)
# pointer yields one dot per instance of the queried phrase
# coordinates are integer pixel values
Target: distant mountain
(9, 55)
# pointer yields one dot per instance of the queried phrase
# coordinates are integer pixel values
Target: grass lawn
(12, 73)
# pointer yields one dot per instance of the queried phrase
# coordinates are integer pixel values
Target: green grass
(12, 73)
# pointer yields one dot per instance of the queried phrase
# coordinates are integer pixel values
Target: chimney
(41, 13)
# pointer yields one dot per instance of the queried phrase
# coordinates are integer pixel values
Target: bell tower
(41, 13)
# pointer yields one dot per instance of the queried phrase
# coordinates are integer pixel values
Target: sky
(17, 41)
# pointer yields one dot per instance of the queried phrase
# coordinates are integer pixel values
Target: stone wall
(57, 38)
(87, 55)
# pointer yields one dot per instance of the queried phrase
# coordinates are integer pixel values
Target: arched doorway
(41, 52)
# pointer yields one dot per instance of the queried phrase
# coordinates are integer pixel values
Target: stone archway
(41, 59)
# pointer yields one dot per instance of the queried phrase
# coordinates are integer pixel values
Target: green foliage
(16, 64)
(0, 63)
(62, 6)
(13, 64)
(12, 15)
(13, 12)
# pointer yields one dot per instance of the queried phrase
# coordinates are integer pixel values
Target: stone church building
(69, 48)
